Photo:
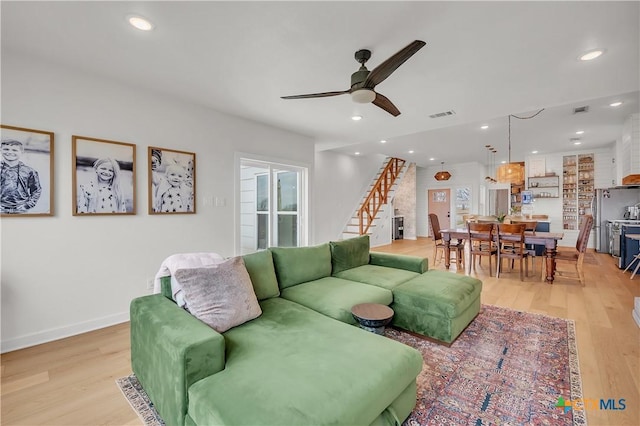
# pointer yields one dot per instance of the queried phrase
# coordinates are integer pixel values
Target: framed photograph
(27, 172)
(103, 176)
(172, 181)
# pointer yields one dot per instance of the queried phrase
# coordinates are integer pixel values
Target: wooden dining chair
(481, 243)
(576, 257)
(511, 246)
(458, 248)
(530, 226)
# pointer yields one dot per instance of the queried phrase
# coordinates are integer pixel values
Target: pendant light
(511, 172)
(491, 155)
(442, 174)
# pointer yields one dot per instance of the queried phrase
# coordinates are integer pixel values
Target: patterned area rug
(506, 368)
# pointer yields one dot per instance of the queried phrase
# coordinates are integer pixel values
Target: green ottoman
(437, 304)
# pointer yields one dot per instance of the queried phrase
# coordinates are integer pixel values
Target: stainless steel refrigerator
(610, 204)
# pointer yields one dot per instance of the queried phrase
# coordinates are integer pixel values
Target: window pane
(263, 231)
(262, 193)
(287, 230)
(287, 191)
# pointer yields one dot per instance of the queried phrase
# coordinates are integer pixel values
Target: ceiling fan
(363, 81)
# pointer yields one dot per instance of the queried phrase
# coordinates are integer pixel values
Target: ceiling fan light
(363, 96)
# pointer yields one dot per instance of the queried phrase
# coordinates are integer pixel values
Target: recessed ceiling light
(615, 104)
(356, 118)
(357, 153)
(484, 127)
(383, 141)
(431, 159)
(591, 54)
(411, 152)
(140, 23)
(534, 152)
(577, 143)
(580, 132)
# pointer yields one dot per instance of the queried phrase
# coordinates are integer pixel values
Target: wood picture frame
(104, 176)
(27, 172)
(172, 181)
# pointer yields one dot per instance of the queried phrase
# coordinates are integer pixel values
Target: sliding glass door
(271, 205)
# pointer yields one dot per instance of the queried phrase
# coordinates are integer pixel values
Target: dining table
(548, 239)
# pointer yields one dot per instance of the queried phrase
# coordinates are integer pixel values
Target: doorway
(439, 201)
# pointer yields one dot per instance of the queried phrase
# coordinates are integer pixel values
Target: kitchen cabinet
(629, 157)
(577, 188)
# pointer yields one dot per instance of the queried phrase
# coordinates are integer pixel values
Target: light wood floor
(72, 381)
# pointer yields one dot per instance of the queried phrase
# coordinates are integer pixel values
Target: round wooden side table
(372, 317)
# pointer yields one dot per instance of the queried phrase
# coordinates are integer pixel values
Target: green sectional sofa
(301, 361)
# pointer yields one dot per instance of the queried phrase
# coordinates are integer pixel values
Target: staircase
(373, 214)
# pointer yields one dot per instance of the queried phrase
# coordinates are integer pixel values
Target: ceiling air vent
(442, 114)
(581, 109)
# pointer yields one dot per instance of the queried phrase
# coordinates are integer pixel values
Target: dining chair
(458, 248)
(576, 257)
(511, 246)
(481, 243)
(530, 226)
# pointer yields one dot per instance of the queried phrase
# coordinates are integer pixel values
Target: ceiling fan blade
(385, 69)
(316, 95)
(384, 103)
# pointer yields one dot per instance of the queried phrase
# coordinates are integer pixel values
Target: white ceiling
(483, 60)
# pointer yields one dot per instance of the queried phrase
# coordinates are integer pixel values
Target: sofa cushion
(294, 366)
(262, 273)
(334, 297)
(221, 296)
(349, 253)
(380, 276)
(295, 265)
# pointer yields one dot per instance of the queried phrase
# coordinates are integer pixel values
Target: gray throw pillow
(221, 296)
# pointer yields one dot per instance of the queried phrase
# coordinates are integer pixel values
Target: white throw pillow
(220, 296)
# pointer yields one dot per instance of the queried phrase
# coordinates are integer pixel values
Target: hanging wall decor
(27, 172)
(104, 177)
(172, 181)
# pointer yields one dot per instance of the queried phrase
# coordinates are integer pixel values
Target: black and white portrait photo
(172, 181)
(104, 176)
(27, 172)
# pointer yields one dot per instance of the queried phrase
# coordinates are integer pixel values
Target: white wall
(63, 275)
(340, 183)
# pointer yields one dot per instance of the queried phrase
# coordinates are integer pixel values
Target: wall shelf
(577, 188)
(545, 186)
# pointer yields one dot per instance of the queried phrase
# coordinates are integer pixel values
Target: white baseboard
(61, 332)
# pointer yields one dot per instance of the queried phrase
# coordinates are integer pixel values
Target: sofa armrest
(399, 261)
(171, 350)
